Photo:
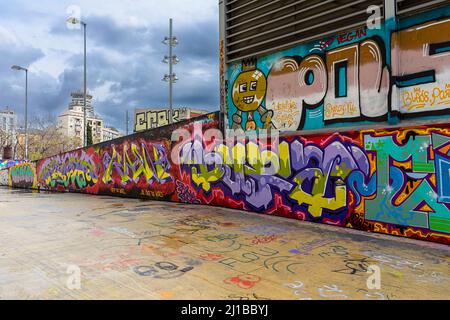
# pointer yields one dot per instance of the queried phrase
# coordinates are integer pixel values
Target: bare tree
(45, 139)
(6, 140)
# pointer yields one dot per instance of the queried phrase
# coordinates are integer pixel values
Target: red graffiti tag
(263, 239)
(211, 257)
(245, 281)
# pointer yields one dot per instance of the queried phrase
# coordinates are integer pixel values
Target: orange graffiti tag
(244, 281)
(419, 98)
(211, 257)
(263, 239)
(346, 109)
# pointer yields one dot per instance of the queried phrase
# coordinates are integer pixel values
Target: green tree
(89, 135)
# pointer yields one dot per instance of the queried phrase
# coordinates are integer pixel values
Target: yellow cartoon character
(249, 92)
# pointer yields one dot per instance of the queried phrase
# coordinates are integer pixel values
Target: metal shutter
(255, 27)
(409, 7)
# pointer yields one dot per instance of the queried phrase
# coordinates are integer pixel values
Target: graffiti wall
(364, 76)
(6, 164)
(4, 178)
(23, 175)
(137, 166)
(393, 181)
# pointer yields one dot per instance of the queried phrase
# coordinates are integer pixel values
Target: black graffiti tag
(162, 270)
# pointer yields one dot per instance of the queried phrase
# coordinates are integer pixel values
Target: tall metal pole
(171, 41)
(223, 67)
(127, 121)
(26, 114)
(85, 87)
(170, 71)
(19, 68)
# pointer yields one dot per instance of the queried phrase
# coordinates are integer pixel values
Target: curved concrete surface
(130, 249)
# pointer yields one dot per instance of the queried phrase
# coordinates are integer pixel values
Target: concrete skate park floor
(73, 246)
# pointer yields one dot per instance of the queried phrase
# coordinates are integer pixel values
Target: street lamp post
(18, 68)
(172, 60)
(127, 121)
(75, 21)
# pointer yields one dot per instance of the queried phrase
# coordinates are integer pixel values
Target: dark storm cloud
(136, 75)
(128, 59)
(104, 31)
(12, 83)
(200, 42)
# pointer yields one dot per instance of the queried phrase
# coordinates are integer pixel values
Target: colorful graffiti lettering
(420, 72)
(394, 181)
(75, 170)
(308, 176)
(358, 76)
(137, 168)
(406, 189)
(22, 176)
(388, 181)
(6, 164)
(132, 162)
(391, 182)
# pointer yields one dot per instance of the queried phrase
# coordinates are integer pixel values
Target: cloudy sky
(124, 54)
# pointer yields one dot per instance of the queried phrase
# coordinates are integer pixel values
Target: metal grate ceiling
(255, 27)
(408, 7)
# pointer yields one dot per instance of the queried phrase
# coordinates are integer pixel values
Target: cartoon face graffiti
(249, 90)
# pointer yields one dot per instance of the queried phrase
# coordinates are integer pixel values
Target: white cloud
(105, 93)
(200, 74)
(7, 37)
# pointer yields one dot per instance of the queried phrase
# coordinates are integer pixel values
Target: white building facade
(8, 125)
(71, 122)
(110, 134)
(8, 120)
